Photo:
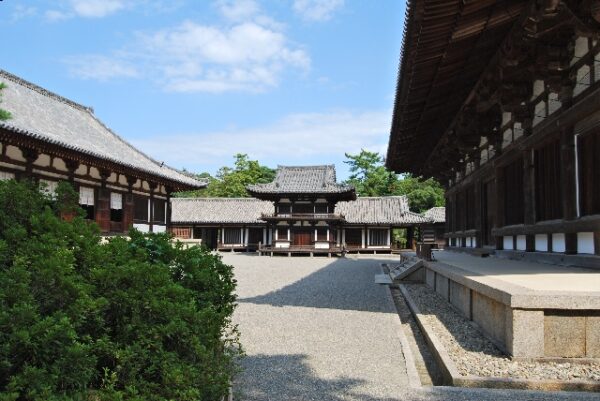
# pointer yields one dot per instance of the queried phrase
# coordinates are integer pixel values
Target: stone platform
(530, 310)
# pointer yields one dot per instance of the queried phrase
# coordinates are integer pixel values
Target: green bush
(137, 319)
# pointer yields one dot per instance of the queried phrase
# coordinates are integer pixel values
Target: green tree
(368, 174)
(231, 182)
(370, 177)
(4, 115)
(134, 319)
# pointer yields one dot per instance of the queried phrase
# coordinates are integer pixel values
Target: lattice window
(140, 208)
(182, 232)
(232, 236)
(378, 237)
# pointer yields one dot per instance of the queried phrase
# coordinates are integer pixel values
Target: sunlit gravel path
(320, 329)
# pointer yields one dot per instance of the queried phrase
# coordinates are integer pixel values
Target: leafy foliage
(231, 182)
(4, 115)
(138, 319)
(371, 178)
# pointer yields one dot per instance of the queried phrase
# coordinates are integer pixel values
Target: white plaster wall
(585, 243)
(558, 242)
(282, 244)
(521, 243)
(541, 242)
(14, 153)
(43, 160)
(322, 245)
(507, 243)
(159, 229)
(145, 228)
(81, 170)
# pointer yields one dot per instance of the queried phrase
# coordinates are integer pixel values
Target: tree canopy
(231, 182)
(4, 115)
(370, 177)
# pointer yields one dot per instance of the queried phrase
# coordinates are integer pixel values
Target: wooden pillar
(500, 216)
(30, 156)
(529, 191)
(362, 238)
(72, 166)
(103, 204)
(128, 205)
(569, 186)
(478, 215)
(153, 187)
(169, 191)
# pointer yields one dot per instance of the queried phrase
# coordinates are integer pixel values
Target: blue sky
(193, 82)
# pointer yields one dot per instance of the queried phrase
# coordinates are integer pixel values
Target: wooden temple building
(50, 138)
(500, 101)
(303, 211)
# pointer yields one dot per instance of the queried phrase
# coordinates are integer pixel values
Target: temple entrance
(302, 237)
(353, 237)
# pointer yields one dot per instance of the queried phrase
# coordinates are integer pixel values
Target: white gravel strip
(316, 329)
(473, 354)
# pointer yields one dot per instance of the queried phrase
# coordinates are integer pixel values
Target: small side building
(50, 138)
(433, 232)
(232, 224)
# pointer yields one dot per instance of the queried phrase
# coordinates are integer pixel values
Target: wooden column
(478, 213)
(72, 166)
(128, 205)
(30, 156)
(169, 191)
(529, 191)
(500, 217)
(103, 204)
(153, 187)
(569, 197)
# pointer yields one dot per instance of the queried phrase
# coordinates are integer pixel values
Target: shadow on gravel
(346, 284)
(289, 377)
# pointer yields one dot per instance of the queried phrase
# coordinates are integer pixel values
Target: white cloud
(317, 10)
(20, 12)
(96, 8)
(237, 10)
(56, 15)
(245, 56)
(295, 139)
(100, 68)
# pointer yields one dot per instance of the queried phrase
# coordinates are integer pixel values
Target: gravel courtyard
(320, 329)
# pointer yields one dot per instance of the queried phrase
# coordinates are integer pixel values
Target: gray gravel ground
(320, 329)
(474, 354)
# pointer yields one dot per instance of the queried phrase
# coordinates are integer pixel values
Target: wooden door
(302, 237)
(255, 235)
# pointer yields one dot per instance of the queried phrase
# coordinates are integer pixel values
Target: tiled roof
(219, 210)
(43, 115)
(437, 214)
(379, 210)
(303, 179)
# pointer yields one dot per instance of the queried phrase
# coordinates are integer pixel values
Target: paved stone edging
(414, 380)
(453, 377)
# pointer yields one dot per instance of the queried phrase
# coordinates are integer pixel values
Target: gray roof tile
(379, 210)
(43, 115)
(219, 210)
(303, 179)
(437, 214)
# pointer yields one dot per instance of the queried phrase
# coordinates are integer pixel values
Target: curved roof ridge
(44, 92)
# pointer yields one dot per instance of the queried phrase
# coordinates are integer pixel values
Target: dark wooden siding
(589, 174)
(548, 205)
(514, 198)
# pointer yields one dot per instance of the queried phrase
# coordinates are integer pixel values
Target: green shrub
(138, 319)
